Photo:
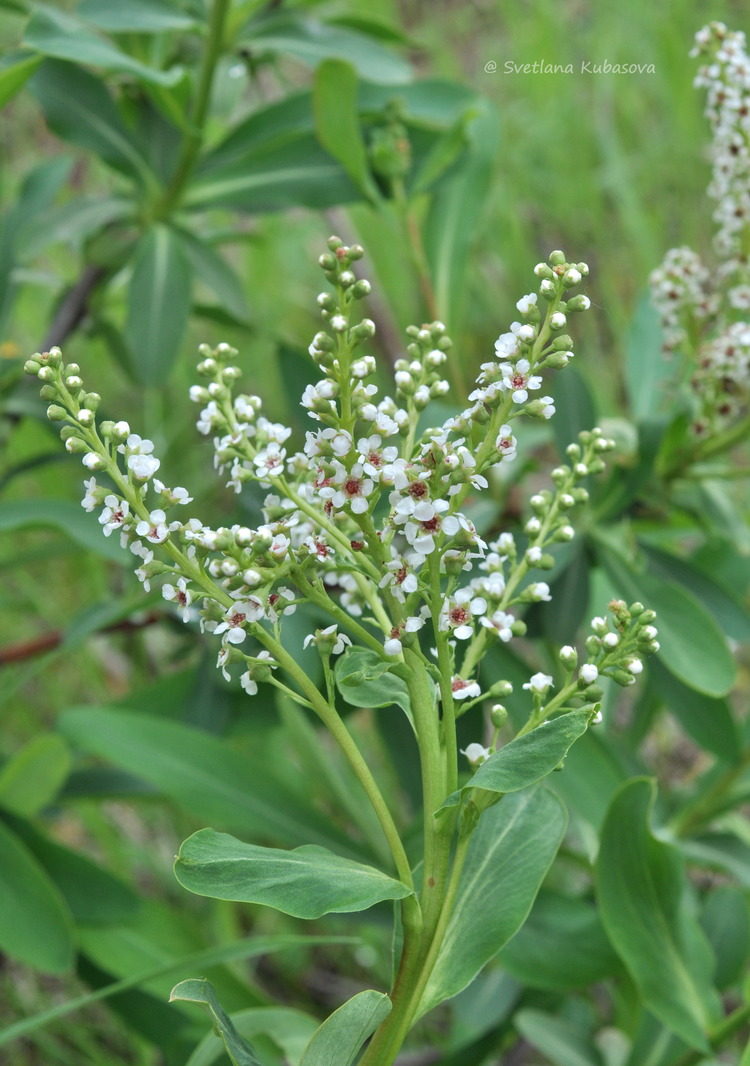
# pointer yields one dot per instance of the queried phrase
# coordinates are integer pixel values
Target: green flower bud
(55, 413)
(501, 689)
(557, 258)
(32, 367)
(498, 715)
(76, 446)
(48, 392)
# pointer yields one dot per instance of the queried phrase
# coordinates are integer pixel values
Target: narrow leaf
(62, 36)
(509, 855)
(337, 122)
(30, 780)
(641, 889)
(341, 1036)
(288, 1028)
(158, 304)
(15, 71)
(69, 518)
(647, 368)
(559, 1040)
(203, 774)
(215, 273)
(305, 882)
(528, 759)
(456, 212)
(136, 16)
(201, 991)
(241, 949)
(79, 109)
(35, 925)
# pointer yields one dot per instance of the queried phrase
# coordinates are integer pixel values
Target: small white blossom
(539, 683)
(476, 753)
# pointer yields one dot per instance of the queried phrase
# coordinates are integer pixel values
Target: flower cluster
(701, 311)
(370, 519)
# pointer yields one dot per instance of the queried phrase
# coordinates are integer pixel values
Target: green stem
(192, 141)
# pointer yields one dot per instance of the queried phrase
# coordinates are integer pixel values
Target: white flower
(115, 514)
(518, 379)
(155, 529)
(142, 467)
(249, 610)
(463, 689)
(610, 640)
(525, 304)
(90, 501)
(635, 666)
(539, 590)
(506, 443)
(181, 594)
(476, 753)
(589, 673)
(328, 636)
(458, 612)
(539, 683)
(500, 623)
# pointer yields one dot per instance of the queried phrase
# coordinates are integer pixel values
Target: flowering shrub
(368, 522)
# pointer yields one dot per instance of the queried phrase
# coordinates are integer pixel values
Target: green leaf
(199, 991)
(294, 173)
(136, 16)
(72, 222)
(337, 122)
(706, 719)
(693, 647)
(366, 680)
(57, 34)
(647, 369)
(456, 212)
(575, 405)
(527, 759)
(341, 1035)
(726, 922)
(241, 949)
(158, 304)
(641, 888)
(311, 42)
(203, 774)
(442, 154)
(305, 882)
(510, 852)
(15, 71)
(290, 1029)
(215, 273)
(79, 109)
(31, 779)
(721, 602)
(559, 1040)
(720, 851)
(35, 924)
(93, 895)
(67, 517)
(562, 946)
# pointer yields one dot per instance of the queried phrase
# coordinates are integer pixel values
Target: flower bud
(498, 715)
(32, 367)
(56, 413)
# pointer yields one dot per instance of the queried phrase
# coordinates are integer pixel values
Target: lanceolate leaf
(55, 33)
(337, 122)
(31, 778)
(528, 759)
(15, 71)
(158, 304)
(136, 16)
(341, 1036)
(35, 925)
(80, 110)
(203, 774)
(642, 897)
(510, 853)
(288, 1028)
(199, 991)
(456, 211)
(306, 882)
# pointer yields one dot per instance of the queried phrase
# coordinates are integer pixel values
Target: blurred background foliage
(165, 184)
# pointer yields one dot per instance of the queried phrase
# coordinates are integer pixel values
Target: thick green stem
(718, 1035)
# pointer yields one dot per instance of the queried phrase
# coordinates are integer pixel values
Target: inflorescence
(367, 520)
(703, 312)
